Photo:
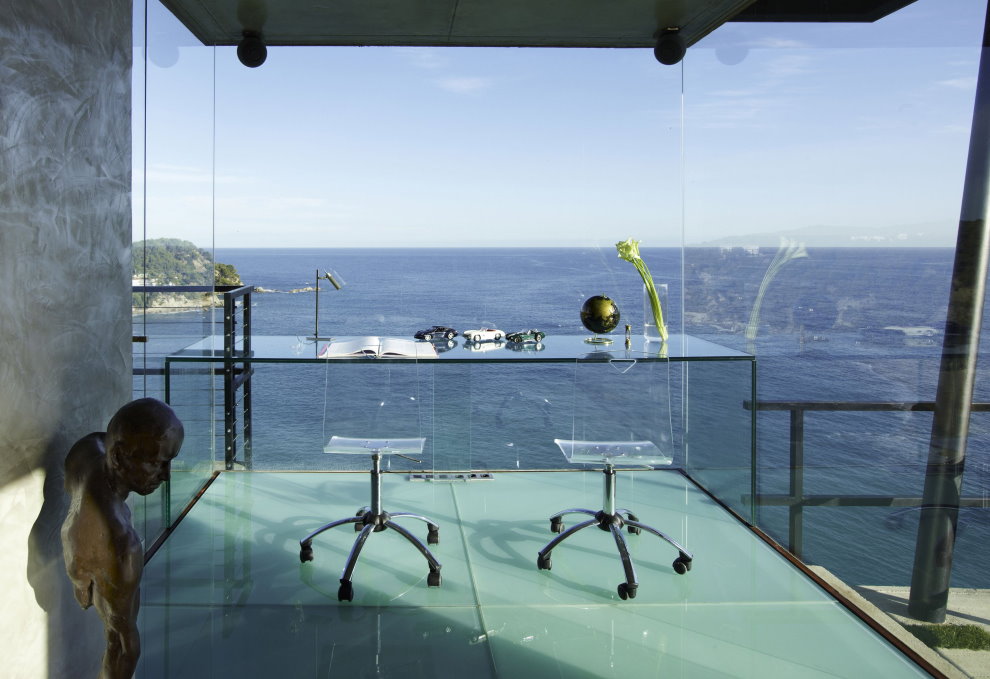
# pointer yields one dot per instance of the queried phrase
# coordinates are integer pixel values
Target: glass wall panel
(173, 238)
(824, 168)
(719, 431)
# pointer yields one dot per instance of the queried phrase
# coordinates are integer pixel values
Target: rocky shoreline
(165, 303)
(179, 303)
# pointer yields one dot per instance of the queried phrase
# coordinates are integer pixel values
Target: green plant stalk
(651, 291)
(629, 251)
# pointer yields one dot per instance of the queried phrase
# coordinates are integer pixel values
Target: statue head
(142, 439)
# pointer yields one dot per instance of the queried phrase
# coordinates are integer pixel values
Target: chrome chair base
(612, 520)
(373, 519)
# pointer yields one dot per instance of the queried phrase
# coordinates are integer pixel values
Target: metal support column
(229, 391)
(950, 427)
(247, 370)
(796, 511)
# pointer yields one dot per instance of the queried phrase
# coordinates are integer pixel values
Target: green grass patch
(972, 637)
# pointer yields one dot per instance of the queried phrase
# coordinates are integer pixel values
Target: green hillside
(171, 261)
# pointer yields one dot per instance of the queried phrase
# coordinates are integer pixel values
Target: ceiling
(497, 23)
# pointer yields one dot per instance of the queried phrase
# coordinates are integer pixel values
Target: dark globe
(599, 314)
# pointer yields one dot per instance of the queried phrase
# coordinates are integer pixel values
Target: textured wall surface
(65, 153)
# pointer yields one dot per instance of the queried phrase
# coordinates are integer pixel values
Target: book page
(353, 346)
(396, 346)
(391, 347)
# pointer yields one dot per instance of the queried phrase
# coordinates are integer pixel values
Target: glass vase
(650, 330)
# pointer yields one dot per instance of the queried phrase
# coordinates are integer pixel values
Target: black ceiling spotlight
(670, 47)
(251, 50)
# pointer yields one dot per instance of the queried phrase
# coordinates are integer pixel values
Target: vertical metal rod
(754, 485)
(316, 323)
(246, 370)
(229, 397)
(796, 513)
(608, 491)
(932, 570)
(167, 486)
(376, 483)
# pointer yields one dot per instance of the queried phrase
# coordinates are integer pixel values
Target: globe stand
(598, 339)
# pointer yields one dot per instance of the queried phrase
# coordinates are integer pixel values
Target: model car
(483, 335)
(436, 332)
(532, 335)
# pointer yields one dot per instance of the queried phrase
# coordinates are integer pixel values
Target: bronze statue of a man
(103, 553)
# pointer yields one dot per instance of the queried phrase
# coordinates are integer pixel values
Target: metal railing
(796, 499)
(235, 371)
(237, 375)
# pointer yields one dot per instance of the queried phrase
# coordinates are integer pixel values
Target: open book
(378, 347)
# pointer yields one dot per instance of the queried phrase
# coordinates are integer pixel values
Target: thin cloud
(771, 42)
(789, 66)
(181, 174)
(428, 58)
(464, 85)
(968, 83)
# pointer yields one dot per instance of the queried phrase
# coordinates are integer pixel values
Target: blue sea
(819, 335)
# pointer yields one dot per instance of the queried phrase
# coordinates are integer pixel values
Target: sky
(857, 132)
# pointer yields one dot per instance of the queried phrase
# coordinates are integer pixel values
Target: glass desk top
(555, 348)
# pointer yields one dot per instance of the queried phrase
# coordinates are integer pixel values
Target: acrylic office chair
(630, 397)
(373, 517)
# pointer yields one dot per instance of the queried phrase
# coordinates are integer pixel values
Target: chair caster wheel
(346, 591)
(433, 536)
(433, 579)
(543, 562)
(626, 591)
(556, 525)
(305, 553)
(681, 565)
(634, 530)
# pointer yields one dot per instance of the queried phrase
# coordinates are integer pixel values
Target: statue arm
(83, 460)
(118, 597)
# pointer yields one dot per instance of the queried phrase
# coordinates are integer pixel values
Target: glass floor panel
(226, 594)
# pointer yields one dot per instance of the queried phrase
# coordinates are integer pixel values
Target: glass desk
(480, 406)
(555, 348)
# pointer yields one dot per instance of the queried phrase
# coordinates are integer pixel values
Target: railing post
(246, 372)
(229, 395)
(754, 481)
(932, 570)
(796, 510)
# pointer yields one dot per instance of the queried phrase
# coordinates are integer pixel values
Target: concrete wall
(65, 361)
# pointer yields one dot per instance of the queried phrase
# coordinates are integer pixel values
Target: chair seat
(343, 445)
(622, 453)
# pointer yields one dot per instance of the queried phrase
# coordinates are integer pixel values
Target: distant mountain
(930, 234)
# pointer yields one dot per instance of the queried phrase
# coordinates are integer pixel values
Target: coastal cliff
(171, 261)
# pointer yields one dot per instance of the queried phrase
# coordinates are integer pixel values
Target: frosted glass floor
(227, 596)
